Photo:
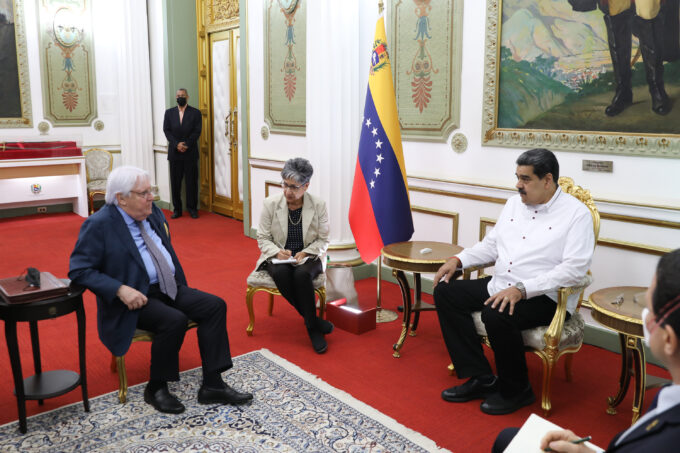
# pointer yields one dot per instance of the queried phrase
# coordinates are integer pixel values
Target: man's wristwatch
(522, 289)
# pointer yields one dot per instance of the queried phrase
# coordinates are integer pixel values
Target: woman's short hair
(298, 169)
(666, 296)
(543, 161)
(122, 180)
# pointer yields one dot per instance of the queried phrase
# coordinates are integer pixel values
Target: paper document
(528, 439)
(290, 260)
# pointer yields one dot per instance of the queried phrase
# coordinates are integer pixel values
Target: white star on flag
(379, 158)
(378, 144)
(374, 131)
(368, 122)
(376, 172)
(372, 184)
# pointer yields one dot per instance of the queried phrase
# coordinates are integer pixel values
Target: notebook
(15, 290)
(529, 436)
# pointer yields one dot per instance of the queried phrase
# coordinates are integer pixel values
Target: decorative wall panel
(15, 94)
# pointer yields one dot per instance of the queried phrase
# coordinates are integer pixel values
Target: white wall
(638, 187)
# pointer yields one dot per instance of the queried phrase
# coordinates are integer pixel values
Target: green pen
(576, 441)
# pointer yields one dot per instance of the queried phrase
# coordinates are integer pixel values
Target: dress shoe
(163, 401)
(324, 326)
(497, 404)
(194, 214)
(318, 341)
(223, 395)
(175, 215)
(474, 388)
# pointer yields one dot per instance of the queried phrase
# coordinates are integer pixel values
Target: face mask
(645, 313)
(181, 102)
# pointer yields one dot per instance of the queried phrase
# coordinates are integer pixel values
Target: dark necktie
(166, 280)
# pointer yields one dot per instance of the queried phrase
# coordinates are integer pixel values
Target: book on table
(16, 290)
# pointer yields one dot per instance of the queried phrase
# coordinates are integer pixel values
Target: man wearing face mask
(182, 127)
(659, 429)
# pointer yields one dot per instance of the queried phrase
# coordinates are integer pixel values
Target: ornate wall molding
(15, 112)
(221, 15)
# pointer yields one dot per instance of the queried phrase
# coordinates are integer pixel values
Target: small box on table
(352, 319)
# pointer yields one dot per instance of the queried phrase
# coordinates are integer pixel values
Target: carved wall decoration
(459, 142)
(427, 37)
(551, 87)
(221, 14)
(67, 62)
(15, 95)
(285, 44)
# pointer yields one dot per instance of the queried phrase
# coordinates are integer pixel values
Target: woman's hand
(284, 254)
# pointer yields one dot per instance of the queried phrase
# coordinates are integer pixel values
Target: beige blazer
(272, 232)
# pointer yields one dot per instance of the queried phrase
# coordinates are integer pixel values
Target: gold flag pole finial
(381, 6)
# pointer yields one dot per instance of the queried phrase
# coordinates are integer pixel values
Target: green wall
(181, 52)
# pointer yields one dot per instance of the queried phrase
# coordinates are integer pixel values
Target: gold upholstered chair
(98, 164)
(560, 337)
(118, 362)
(262, 281)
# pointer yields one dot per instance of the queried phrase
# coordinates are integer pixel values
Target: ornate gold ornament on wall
(99, 125)
(43, 127)
(459, 142)
(264, 132)
(220, 14)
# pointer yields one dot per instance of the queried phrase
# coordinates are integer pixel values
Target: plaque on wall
(285, 55)
(67, 62)
(427, 37)
(15, 95)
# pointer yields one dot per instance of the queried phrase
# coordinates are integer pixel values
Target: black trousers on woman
(456, 301)
(295, 282)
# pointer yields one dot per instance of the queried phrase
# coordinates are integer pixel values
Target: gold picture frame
(15, 105)
(594, 132)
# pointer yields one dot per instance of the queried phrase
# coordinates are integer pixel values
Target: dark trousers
(456, 301)
(296, 284)
(187, 169)
(168, 319)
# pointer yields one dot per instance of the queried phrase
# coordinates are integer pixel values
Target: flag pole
(381, 6)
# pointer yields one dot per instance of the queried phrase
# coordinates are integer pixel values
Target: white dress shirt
(544, 246)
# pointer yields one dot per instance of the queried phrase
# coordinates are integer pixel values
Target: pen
(575, 441)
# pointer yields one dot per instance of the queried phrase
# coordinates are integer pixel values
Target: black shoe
(497, 404)
(175, 215)
(193, 214)
(318, 342)
(224, 395)
(324, 326)
(163, 401)
(475, 388)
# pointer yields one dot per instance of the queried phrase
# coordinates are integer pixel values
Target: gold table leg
(406, 297)
(632, 364)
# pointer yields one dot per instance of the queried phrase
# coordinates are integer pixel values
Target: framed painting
(15, 95)
(426, 36)
(285, 56)
(595, 81)
(67, 62)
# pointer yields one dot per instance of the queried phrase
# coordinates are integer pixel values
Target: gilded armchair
(560, 337)
(98, 164)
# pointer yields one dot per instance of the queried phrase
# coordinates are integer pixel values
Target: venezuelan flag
(380, 211)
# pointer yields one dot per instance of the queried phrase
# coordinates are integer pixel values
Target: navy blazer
(189, 132)
(106, 257)
(661, 433)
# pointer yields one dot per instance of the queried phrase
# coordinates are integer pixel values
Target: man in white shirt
(542, 240)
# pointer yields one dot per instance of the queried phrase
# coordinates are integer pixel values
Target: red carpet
(217, 257)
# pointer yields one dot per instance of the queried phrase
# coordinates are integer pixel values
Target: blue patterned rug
(293, 411)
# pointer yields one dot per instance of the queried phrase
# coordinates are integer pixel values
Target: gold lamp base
(385, 315)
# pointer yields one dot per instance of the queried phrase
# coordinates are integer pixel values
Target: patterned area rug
(293, 411)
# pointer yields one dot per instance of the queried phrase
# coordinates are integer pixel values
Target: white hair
(122, 180)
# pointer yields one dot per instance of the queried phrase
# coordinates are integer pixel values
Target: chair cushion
(98, 163)
(262, 279)
(97, 185)
(572, 332)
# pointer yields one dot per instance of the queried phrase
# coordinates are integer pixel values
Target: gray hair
(122, 180)
(298, 169)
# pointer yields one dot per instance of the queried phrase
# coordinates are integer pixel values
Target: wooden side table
(626, 319)
(407, 257)
(50, 383)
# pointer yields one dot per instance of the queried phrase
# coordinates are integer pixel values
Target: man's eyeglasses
(285, 185)
(144, 194)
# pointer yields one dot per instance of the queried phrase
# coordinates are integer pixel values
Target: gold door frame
(213, 16)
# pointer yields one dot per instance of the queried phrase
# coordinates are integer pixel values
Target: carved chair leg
(451, 369)
(250, 292)
(122, 379)
(90, 202)
(547, 380)
(322, 301)
(114, 367)
(271, 304)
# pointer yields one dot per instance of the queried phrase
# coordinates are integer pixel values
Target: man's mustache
(521, 191)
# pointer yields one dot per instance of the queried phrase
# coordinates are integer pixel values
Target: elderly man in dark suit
(124, 256)
(182, 127)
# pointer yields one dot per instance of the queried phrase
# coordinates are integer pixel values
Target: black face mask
(181, 102)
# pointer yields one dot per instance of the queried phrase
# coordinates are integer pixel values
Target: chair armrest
(467, 272)
(553, 334)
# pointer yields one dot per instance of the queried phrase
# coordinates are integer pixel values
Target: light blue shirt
(141, 245)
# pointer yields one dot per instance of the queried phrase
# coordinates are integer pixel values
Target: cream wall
(644, 191)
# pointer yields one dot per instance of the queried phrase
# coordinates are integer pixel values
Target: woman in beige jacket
(294, 227)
